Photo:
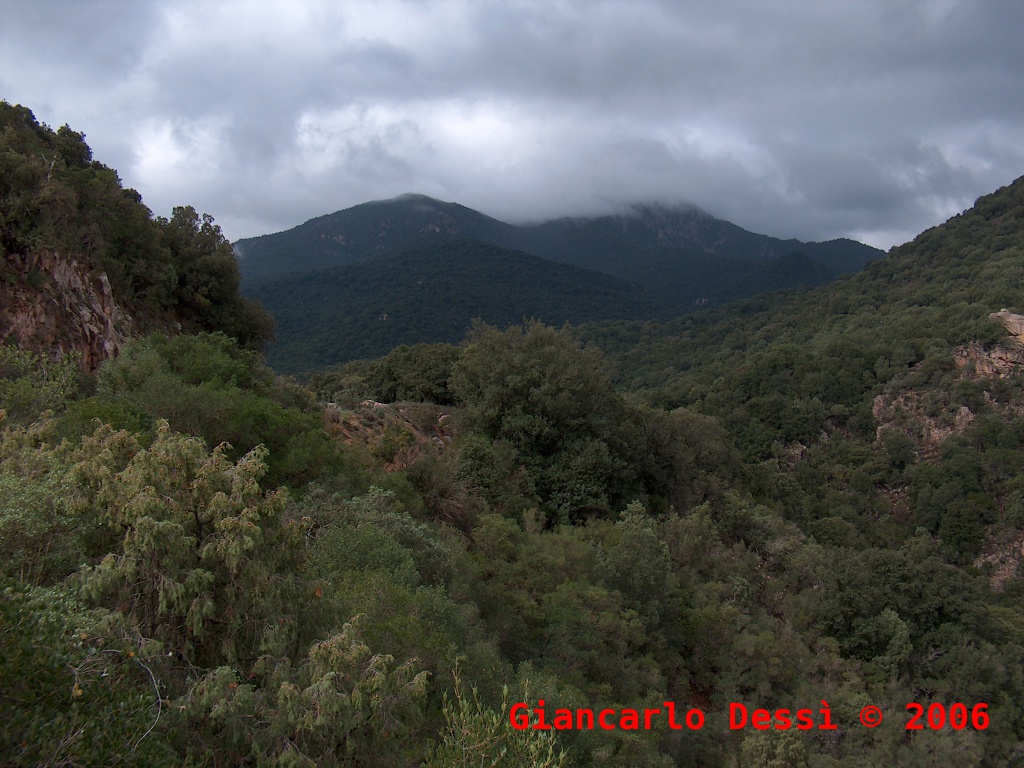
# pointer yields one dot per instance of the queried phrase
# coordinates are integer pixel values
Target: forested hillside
(74, 240)
(809, 504)
(432, 294)
(682, 253)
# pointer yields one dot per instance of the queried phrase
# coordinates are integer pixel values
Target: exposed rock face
(1003, 360)
(1014, 323)
(928, 417)
(691, 228)
(1004, 559)
(53, 306)
(999, 362)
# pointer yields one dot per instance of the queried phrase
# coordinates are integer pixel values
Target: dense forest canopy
(809, 502)
(357, 283)
(431, 294)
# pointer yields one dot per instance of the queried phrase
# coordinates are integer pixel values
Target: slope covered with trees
(431, 295)
(64, 214)
(682, 253)
(858, 448)
(809, 501)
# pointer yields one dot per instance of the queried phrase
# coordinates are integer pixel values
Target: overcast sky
(814, 119)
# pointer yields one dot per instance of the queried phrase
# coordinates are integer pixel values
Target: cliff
(54, 306)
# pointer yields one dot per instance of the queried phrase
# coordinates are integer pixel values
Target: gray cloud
(813, 120)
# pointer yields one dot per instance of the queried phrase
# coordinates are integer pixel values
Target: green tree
(203, 565)
(476, 736)
(343, 705)
(74, 688)
(207, 385)
(207, 279)
(536, 389)
(31, 384)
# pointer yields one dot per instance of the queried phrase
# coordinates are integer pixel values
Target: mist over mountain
(802, 496)
(662, 248)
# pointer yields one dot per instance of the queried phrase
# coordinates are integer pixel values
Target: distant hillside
(431, 294)
(610, 243)
(928, 296)
(658, 247)
(694, 280)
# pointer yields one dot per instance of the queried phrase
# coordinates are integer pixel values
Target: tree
(343, 705)
(208, 278)
(73, 689)
(476, 736)
(31, 384)
(205, 559)
(535, 388)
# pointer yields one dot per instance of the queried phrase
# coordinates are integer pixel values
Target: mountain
(929, 297)
(602, 243)
(327, 274)
(432, 294)
(366, 232)
(664, 249)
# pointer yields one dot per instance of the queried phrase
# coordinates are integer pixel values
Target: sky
(813, 119)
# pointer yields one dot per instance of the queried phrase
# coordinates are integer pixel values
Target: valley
(551, 483)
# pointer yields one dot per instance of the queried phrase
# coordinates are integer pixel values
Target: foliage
(431, 295)
(36, 524)
(207, 385)
(73, 689)
(418, 373)
(200, 542)
(55, 197)
(207, 279)
(343, 705)
(31, 384)
(534, 388)
(479, 736)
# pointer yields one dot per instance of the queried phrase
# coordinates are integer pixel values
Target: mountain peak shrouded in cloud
(870, 120)
(645, 244)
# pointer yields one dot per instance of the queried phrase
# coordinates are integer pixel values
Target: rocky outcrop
(1000, 362)
(910, 412)
(54, 306)
(1014, 323)
(928, 417)
(1002, 560)
(397, 433)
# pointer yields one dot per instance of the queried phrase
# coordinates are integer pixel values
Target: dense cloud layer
(815, 120)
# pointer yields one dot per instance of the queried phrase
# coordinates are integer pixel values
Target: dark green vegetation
(606, 244)
(431, 294)
(54, 198)
(795, 499)
(457, 264)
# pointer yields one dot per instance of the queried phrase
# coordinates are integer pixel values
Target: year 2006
(936, 716)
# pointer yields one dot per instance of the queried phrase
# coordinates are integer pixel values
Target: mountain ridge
(607, 243)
